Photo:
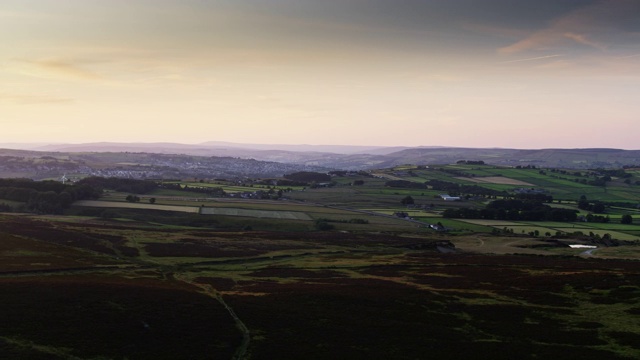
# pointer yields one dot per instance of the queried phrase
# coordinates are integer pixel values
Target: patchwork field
(497, 180)
(270, 214)
(616, 231)
(324, 273)
(128, 205)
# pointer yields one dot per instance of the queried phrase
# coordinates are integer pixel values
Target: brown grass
(496, 180)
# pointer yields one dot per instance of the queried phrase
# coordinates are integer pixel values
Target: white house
(446, 197)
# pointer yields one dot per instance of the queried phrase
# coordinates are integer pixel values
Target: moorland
(460, 260)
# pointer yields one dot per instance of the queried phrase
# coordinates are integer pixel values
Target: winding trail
(241, 351)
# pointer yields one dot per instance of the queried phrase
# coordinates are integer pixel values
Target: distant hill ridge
(366, 157)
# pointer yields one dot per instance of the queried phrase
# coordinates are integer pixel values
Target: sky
(466, 73)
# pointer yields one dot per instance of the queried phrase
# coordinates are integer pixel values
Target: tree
(323, 225)
(407, 200)
(152, 200)
(598, 207)
(583, 203)
(626, 219)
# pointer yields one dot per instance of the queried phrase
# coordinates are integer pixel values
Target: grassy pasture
(617, 231)
(497, 180)
(373, 195)
(128, 205)
(256, 214)
(388, 211)
(622, 211)
(174, 193)
(455, 225)
(355, 198)
(561, 186)
(493, 223)
(613, 226)
(626, 252)
(614, 234)
(292, 215)
(499, 245)
(234, 188)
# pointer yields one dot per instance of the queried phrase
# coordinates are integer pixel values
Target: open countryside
(563, 250)
(319, 180)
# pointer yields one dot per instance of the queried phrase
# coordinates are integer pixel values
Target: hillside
(224, 160)
(43, 165)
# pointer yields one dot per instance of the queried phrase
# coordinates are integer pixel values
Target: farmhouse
(438, 227)
(446, 197)
(401, 214)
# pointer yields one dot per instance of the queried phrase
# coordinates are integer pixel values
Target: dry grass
(496, 180)
(127, 205)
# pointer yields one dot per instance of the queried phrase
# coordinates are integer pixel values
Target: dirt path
(241, 351)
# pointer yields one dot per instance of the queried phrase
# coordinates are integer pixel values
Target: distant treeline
(122, 185)
(281, 182)
(46, 197)
(597, 206)
(405, 184)
(308, 177)
(211, 191)
(53, 197)
(514, 209)
(448, 187)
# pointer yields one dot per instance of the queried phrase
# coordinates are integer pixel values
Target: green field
(128, 205)
(291, 215)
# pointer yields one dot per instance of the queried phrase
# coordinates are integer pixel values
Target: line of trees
(597, 207)
(46, 197)
(404, 184)
(210, 191)
(454, 189)
(134, 186)
(514, 209)
(308, 177)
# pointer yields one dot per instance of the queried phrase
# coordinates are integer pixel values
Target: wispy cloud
(597, 26)
(531, 59)
(22, 99)
(54, 68)
(583, 39)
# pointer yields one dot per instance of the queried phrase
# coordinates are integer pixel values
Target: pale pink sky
(495, 73)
